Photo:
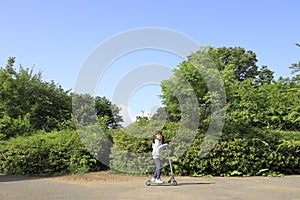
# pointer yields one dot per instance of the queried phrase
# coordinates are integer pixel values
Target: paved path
(22, 188)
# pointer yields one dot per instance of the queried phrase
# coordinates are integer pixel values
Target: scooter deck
(170, 182)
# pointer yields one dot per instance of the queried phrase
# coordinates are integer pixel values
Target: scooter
(171, 181)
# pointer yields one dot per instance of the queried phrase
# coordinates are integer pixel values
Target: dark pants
(158, 167)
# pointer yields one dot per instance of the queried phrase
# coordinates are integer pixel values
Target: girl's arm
(162, 146)
(157, 145)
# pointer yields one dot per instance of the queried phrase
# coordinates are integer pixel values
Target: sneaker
(153, 179)
(159, 181)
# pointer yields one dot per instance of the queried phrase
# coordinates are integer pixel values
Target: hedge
(62, 152)
(233, 155)
(58, 152)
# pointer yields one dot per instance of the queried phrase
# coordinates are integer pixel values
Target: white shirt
(157, 147)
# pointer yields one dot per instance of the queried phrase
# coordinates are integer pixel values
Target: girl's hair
(162, 138)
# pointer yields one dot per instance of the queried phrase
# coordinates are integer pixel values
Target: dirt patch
(104, 177)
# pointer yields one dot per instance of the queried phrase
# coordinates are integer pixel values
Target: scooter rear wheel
(148, 182)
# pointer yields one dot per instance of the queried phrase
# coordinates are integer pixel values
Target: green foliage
(130, 152)
(83, 109)
(123, 161)
(27, 102)
(257, 152)
(132, 148)
(132, 143)
(253, 98)
(104, 107)
(243, 62)
(97, 141)
(260, 135)
(295, 67)
(260, 114)
(273, 106)
(200, 75)
(58, 152)
(289, 135)
(11, 127)
(240, 157)
(88, 110)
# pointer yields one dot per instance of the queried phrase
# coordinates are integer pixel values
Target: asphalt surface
(23, 188)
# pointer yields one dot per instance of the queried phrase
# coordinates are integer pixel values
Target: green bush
(132, 149)
(58, 152)
(64, 152)
(289, 135)
(241, 156)
(11, 127)
(97, 140)
(130, 153)
(255, 153)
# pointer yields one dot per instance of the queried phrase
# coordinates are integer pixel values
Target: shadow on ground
(184, 184)
(13, 178)
(197, 183)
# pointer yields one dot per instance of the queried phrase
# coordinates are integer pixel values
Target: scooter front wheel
(174, 183)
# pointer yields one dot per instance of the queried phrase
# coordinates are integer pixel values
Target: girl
(157, 146)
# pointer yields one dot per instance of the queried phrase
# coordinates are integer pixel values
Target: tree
(104, 107)
(88, 110)
(27, 103)
(200, 70)
(26, 98)
(244, 62)
(265, 75)
(267, 106)
(254, 98)
(83, 109)
(295, 67)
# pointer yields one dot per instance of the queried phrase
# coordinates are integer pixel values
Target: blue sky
(57, 36)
